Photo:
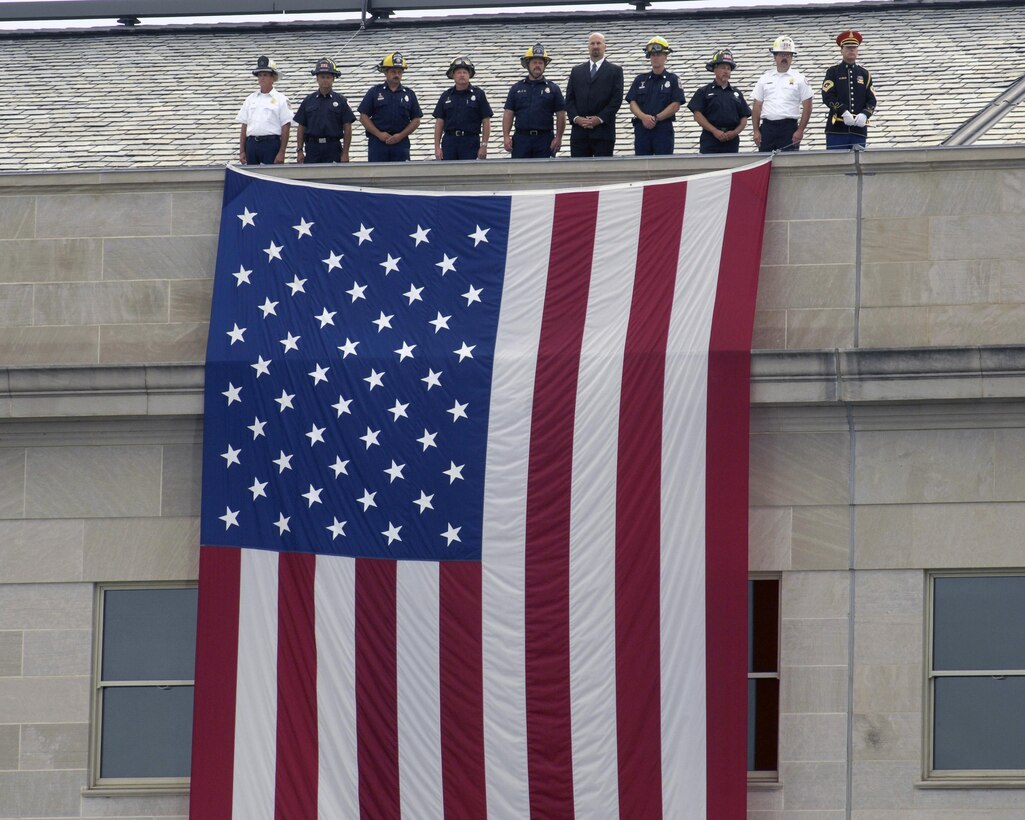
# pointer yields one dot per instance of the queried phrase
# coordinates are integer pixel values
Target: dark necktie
(594, 69)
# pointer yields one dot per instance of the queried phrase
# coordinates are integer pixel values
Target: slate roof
(167, 96)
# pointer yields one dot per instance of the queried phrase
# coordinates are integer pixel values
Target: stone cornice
(778, 377)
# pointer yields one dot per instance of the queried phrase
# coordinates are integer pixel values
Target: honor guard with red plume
(460, 116)
(537, 109)
(847, 92)
(389, 112)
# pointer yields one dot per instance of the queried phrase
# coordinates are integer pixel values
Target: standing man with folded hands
(594, 94)
(847, 91)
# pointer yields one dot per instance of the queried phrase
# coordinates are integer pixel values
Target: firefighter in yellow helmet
(389, 112)
(537, 109)
(654, 99)
(782, 102)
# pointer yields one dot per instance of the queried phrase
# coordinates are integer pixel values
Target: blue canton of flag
(349, 370)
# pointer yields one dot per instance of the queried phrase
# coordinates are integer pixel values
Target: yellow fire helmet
(536, 51)
(657, 45)
(392, 60)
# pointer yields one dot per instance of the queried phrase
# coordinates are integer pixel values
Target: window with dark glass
(144, 682)
(762, 677)
(977, 676)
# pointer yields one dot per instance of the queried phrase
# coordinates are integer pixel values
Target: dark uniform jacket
(534, 104)
(463, 110)
(324, 116)
(847, 88)
(391, 111)
(599, 97)
(723, 107)
(653, 92)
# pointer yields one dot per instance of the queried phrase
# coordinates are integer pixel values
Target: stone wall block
(11, 652)
(805, 197)
(770, 330)
(983, 236)
(820, 538)
(812, 689)
(881, 736)
(38, 551)
(25, 346)
(816, 329)
(822, 242)
(183, 342)
(41, 794)
(806, 286)
(101, 303)
(108, 214)
(44, 700)
(15, 305)
(190, 300)
(775, 243)
(895, 240)
(799, 468)
(93, 482)
(818, 737)
(769, 539)
(53, 652)
(17, 217)
(813, 642)
(182, 480)
(12, 488)
(10, 738)
(155, 549)
(196, 212)
(888, 687)
(55, 746)
(46, 606)
(952, 282)
(894, 327)
(159, 257)
(814, 786)
(815, 595)
(50, 260)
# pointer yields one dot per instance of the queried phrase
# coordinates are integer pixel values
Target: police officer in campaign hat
(537, 108)
(324, 120)
(654, 98)
(266, 119)
(460, 115)
(720, 108)
(847, 92)
(390, 113)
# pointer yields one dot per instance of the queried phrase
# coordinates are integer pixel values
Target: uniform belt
(462, 133)
(265, 137)
(321, 140)
(533, 131)
(783, 119)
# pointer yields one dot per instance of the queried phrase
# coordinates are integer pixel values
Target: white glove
(861, 121)
(848, 118)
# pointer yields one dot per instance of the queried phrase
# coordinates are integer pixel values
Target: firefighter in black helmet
(324, 120)
(460, 116)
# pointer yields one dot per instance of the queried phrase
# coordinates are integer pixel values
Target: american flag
(475, 502)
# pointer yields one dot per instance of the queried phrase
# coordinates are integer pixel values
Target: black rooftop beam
(36, 10)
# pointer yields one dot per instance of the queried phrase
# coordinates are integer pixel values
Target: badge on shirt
(666, 85)
(473, 98)
(861, 79)
(547, 90)
(273, 100)
(380, 97)
(736, 94)
(405, 98)
(640, 87)
(335, 103)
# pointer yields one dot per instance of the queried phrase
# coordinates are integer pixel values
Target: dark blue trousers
(262, 150)
(532, 146)
(655, 141)
(323, 151)
(844, 140)
(456, 147)
(377, 151)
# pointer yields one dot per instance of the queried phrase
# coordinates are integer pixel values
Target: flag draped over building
(475, 502)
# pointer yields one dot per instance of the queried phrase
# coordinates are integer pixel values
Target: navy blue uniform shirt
(463, 110)
(653, 92)
(390, 111)
(723, 107)
(324, 115)
(534, 104)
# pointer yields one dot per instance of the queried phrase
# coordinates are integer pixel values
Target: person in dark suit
(593, 96)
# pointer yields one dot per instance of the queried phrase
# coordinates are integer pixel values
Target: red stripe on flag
(213, 717)
(377, 713)
(295, 792)
(726, 494)
(549, 475)
(638, 505)
(462, 690)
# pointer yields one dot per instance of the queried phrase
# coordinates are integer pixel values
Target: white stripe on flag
(592, 548)
(684, 718)
(505, 495)
(256, 699)
(335, 601)
(419, 693)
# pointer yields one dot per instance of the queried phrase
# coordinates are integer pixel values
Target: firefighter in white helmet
(782, 102)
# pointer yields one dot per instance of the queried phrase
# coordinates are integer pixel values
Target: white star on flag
(326, 318)
(290, 342)
(236, 334)
(349, 348)
(303, 228)
(342, 406)
(465, 352)
(274, 251)
(234, 394)
(230, 517)
(432, 379)
(441, 322)
(383, 321)
(283, 461)
(399, 410)
(458, 411)
(479, 235)
(337, 528)
(356, 291)
(316, 435)
(363, 234)
(447, 264)
(405, 352)
(395, 471)
(392, 533)
(340, 466)
(261, 366)
(427, 439)
(424, 502)
(257, 428)
(390, 264)
(257, 488)
(231, 456)
(370, 438)
(454, 471)
(413, 294)
(312, 496)
(247, 217)
(242, 276)
(451, 534)
(420, 235)
(367, 499)
(297, 285)
(282, 523)
(472, 295)
(319, 374)
(375, 379)
(268, 308)
(285, 401)
(334, 260)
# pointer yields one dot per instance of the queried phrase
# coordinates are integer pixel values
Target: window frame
(769, 777)
(957, 778)
(101, 786)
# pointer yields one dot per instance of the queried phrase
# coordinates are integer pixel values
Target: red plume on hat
(849, 38)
